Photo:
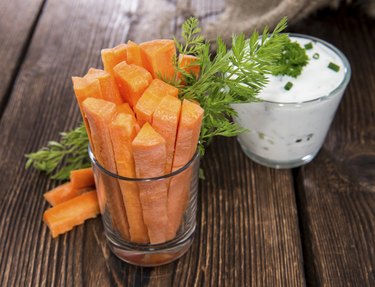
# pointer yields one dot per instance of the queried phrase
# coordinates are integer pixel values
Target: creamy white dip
(315, 81)
(288, 128)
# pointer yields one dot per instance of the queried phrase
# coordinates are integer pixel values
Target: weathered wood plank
(17, 23)
(247, 223)
(248, 230)
(337, 190)
(67, 40)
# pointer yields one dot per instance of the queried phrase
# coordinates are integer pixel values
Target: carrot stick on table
(99, 114)
(186, 145)
(62, 193)
(63, 217)
(150, 99)
(123, 131)
(149, 150)
(82, 178)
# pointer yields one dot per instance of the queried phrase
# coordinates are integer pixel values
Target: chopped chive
(316, 56)
(308, 46)
(333, 66)
(288, 86)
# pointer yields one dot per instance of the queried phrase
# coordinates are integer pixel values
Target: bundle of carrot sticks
(138, 128)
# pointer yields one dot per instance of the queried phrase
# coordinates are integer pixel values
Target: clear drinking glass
(175, 233)
(290, 134)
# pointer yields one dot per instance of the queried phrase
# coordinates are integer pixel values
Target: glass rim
(143, 179)
(340, 86)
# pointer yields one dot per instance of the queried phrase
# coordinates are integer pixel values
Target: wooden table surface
(311, 226)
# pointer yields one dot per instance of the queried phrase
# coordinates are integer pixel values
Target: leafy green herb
(308, 46)
(231, 76)
(333, 67)
(292, 61)
(288, 86)
(71, 151)
(193, 40)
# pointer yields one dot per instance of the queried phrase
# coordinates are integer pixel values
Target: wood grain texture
(247, 232)
(67, 40)
(17, 22)
(336, 192)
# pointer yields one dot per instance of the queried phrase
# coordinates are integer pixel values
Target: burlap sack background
(232, 16)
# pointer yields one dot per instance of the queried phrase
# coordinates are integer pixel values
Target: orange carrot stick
(108, 85)
(82, 178)
(188, 63)
(132, 81)
(188, 133)
(126, 109)
(62, 193)
(150, 99)
(134, 54)
(84, 88)
(99, 114)
(63, 217)
(123, 132)
(165, 122)
(149, 152)
(111, 57)
(157, 57)
(186, 145)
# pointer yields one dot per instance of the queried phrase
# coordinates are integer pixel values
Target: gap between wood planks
(20, 60)
(307, 253)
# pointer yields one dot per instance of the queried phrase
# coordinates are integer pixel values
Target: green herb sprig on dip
(229, 76)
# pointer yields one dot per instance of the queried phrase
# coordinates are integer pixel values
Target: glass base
(278, 164)
(152, 254)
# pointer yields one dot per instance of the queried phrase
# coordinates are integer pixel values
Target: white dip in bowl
(288, 127)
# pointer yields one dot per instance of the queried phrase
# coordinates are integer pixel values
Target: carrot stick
(111, 57)
(82, 178)
(186, 145)
(150, 99)
(108, 85)
(132, 81)
(149, 150)
(188, 133)
(188, 63)
(165, 122)
(62, 193)
(134, 54)
(126, 109)
(63, 217)
(157, 58)
(84, 88)
(99, 114)
(123, 131)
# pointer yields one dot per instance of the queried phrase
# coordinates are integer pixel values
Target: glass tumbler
(148, 221)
